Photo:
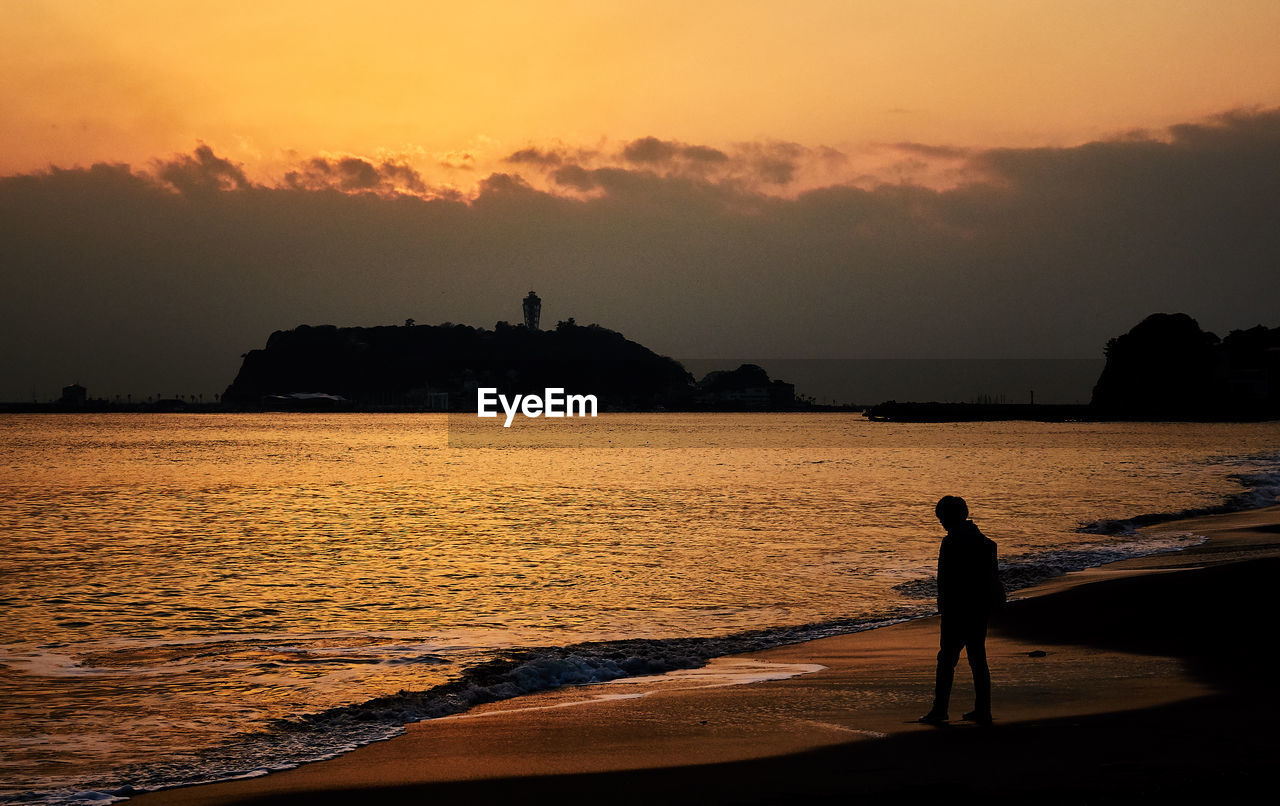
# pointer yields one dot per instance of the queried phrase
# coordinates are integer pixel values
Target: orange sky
(266, 83)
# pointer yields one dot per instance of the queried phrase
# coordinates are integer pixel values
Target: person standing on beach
(968, 590)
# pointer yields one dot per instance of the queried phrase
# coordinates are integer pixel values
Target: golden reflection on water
(182, 524)
(185, 575)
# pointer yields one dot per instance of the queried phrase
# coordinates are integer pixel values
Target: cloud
(356, 175)
(650, 150)
(504, 184)
(457, 160)
(202, 172)
(575, 177)
(704, 154)
(536, 156)
(934, 151)
(399, 175)
(772, 166)
(777, 171)
(776, 162)
(832, 156)
(114, 279)
(771, 163)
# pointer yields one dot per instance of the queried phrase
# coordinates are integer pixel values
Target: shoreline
(1078, 661)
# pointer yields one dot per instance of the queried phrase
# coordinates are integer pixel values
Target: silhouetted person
(968, 590)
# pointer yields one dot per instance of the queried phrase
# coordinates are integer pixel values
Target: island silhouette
(1164, 368)
(441, 367)
(1168, 368)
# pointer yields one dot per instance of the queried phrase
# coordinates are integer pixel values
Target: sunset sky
(815, 150)
(264, 82)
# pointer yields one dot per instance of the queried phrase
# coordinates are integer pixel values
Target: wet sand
(1144, 677)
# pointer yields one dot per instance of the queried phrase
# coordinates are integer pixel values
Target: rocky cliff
(1167, 367)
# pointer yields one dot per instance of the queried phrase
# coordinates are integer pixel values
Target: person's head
(951, 511)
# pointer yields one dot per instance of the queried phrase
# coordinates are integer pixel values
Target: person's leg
(950, 643)
(976, 648)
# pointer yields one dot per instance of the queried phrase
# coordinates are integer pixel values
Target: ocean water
(189, 598)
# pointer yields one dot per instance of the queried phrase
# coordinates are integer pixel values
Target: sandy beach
(1143, 677)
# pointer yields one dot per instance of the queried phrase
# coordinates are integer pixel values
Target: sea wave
(1261, 488)
(514, 673)
(1024, 570)
(332, 732)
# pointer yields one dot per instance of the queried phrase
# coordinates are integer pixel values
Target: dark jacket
(968, 575)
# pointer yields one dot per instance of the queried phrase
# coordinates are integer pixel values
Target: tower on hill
(532, 311)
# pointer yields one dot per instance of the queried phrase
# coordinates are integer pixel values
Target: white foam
(721, 672)
(599, 698)
(718, 673)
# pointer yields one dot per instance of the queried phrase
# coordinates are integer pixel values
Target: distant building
(74, 395)
(532, 311)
